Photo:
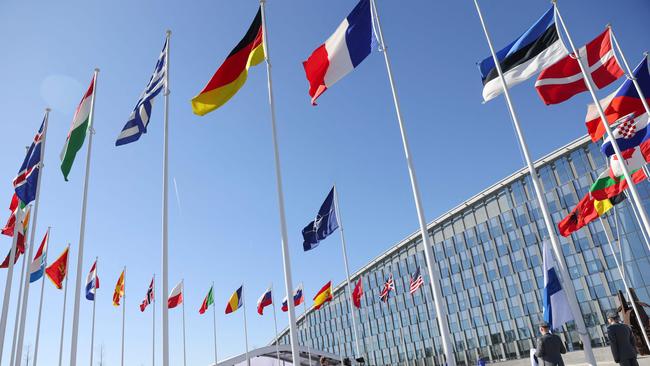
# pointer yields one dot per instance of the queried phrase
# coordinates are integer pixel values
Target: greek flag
(139, 118)
(556, 305)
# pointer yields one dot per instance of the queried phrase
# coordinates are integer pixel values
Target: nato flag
(324, 224)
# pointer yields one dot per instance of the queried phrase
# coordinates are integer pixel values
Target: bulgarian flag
(209, 300)
(607, 186)
(78, 130)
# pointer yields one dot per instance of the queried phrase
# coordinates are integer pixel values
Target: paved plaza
(603, 357)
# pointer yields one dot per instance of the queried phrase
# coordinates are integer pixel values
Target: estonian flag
(539, 47)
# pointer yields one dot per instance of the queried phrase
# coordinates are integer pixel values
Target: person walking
(550, 347)
(621, 341)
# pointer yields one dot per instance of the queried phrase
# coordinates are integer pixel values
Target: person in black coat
(621, 341)
(550, 347)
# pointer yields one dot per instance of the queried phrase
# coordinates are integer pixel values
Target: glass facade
(488, 253)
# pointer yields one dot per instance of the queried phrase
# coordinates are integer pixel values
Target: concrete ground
(603, 357)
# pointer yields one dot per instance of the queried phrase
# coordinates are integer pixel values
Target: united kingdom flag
(27, 179)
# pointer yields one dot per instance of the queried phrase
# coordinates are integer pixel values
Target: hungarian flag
(606, 186)
(563, 79)
(323, 296)
(119, 290)
(27, 179)
(584, 213)
(357, 294)
(209, 300)
(232, 74)
(236, 300)
(624, 101)
(176, 296)
(58, 270)
(78, 130)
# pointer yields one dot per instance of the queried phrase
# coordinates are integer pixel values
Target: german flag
(232, 74)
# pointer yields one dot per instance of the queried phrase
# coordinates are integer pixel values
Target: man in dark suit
(550, 347)
(621, 340)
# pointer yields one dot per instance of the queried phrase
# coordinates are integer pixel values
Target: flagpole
(184, 352)
(590, 86)
(153, 324)
(14, 340)
(571, 294)
(348, 291)
(123, 312)
(10, 274)
(23, 312)
(627, 289)
(306, 321)
(214, 325)
(65, 300)
(165, 243)
(278, 176)
(439, 302)
(92, 331)
(638, 220)
(40, 305)
(82, 230)
(248, 360)
(275, 323)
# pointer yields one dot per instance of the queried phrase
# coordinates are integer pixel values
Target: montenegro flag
(236, 300)
(232, 74)
(323, 296)
(57, 271)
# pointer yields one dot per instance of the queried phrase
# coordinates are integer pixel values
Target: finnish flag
(556, 306)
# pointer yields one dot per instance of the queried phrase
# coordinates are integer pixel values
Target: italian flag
(78, 131)
(209, 300)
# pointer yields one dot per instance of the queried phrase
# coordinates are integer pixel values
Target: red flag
(57, 271)
(582, 214)
(357, 293)
(176, 296)
(563, 79)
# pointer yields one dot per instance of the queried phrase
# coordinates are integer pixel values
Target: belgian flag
(232, 74)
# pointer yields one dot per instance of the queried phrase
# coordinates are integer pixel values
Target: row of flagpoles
(362, 24)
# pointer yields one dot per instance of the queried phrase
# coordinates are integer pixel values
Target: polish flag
(562, 80)
(176, 296)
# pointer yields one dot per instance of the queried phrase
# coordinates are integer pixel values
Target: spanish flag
(232, 74)
(236, 300)
(323, 296)
(119, 290)
(58, 270)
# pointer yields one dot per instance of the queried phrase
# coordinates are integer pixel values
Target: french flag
(350, 44)
(298, 299)
(265, 300)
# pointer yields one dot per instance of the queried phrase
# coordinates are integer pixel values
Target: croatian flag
(350, 44)
(556, 305)
(265, 300)
(298, 299)
(92, 282)
(630, 133)
(37, 267)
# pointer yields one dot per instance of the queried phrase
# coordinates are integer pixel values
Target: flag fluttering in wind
(537, 48)
(323, 225)
(298, 299)
(58, 270)
(176, 296)
(92, 282)
(416, 281)
(207, 301)
(11, 222)
(232, 74)
(78, 131)
(556, 306)
(139, 118)
(633, 159)
(37, 267)
(20, 242)
(27, 179)
(630, 133)
(119, 290)
(236, 300)
(388, 287)
(562, 80)
(148, 298)
(323, 296)
(357, 294)
(603, 206)
(265, 300)
(625, 100)
(343, 51)
(607, 186)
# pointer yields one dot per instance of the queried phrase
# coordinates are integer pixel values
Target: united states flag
(139, 118)
(388, 287)
(416, 281)
(149, 298)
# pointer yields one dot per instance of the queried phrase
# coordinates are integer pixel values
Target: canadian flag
(563, 79)
(176, 296)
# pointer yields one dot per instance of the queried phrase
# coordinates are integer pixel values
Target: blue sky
(224, 226)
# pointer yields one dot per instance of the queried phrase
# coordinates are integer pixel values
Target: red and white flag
(148, 299)
(562, 80)
(176, 296)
